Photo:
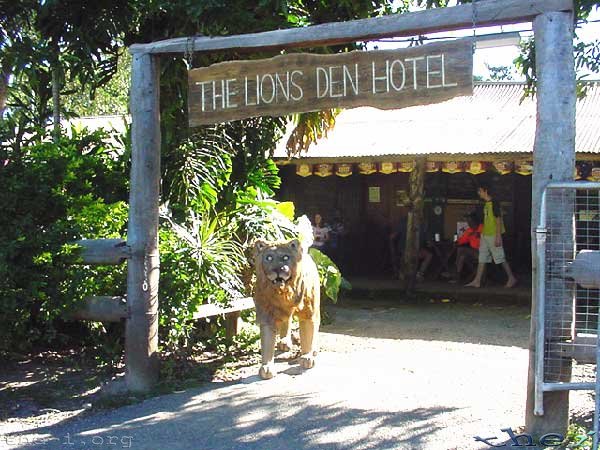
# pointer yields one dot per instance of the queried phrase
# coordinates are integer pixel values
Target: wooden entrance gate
(554, 153)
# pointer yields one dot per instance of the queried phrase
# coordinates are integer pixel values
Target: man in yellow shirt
(490, 247)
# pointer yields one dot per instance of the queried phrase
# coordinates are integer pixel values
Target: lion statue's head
(277, 262)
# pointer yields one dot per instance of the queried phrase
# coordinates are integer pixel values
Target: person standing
(490, 246)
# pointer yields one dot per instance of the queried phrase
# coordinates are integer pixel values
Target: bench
(231, 313)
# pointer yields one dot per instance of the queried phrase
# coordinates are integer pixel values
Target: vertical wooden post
(413, 225)
(554, 160)
(141, 337)
(232, 324)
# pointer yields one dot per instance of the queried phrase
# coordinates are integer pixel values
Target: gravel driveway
(393, 376)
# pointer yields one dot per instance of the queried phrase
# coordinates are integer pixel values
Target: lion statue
(287, 285)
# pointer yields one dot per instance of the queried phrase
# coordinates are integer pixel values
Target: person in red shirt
(467, 245)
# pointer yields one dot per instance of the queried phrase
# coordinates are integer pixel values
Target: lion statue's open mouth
(287, 285)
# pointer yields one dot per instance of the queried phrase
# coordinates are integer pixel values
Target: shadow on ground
(241, 418)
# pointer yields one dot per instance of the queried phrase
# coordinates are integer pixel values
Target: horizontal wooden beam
(484, 12)
(210, 310)
(103, 251)
(101, 309)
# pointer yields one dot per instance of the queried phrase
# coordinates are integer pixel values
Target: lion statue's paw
(307, 360)
(284, 346)
(267, 371)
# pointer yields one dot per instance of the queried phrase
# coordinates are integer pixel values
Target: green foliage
(76, 44)
(199, 170)
(53, 195)
(218, 182)
(500, 73)
(587, 54)
(329, 275)
(525, 64)
(577, 438)
(111, 98)
(215, 196)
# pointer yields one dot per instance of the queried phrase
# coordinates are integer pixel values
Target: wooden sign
(386, 79)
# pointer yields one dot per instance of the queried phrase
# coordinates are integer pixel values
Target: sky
(505, 55)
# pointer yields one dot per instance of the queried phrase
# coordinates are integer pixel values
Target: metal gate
(568, 291)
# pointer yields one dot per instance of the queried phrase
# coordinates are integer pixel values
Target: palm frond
(310, 127)
(202, 165)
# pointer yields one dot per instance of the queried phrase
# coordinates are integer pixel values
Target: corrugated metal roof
(494, 119)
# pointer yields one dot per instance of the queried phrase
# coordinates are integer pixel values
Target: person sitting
(334, 244)
(397, 246)
(467, 245)
(320, 233)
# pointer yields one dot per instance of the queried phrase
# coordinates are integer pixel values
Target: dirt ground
(466, 361)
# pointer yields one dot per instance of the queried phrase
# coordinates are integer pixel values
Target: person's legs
(485, 256)
(460, 263)
(425, 256)
(460, 259)
(512, 280)
(478, 276)
(500, 258)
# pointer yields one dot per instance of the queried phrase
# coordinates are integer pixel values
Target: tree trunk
(413, 225)
(4, 75)
(56, 104)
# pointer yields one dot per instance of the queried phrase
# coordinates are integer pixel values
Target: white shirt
(320, 234)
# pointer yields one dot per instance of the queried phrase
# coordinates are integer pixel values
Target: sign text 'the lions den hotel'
(301, 82)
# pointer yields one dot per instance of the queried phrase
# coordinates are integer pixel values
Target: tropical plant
(218, 181)
(54, 194)
(329, 275)
(309, 128)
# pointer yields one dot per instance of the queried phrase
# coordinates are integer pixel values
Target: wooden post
(554, 160)
(232, 324)
(141, 336)
(413, 225)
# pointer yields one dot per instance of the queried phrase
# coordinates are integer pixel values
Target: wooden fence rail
(103, 251)
(102, 309)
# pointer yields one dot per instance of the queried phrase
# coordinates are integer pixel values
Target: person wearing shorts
(490, 246)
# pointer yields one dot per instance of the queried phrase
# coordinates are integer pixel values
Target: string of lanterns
(583, 170)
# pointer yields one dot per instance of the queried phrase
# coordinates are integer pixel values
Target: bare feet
(473, 284)
(511, 283)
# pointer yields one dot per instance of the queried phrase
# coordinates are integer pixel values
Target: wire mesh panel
(571, 318)
(568, 288)
(560, 294)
